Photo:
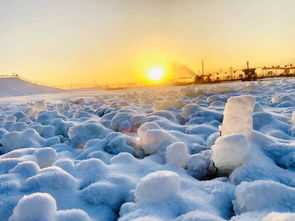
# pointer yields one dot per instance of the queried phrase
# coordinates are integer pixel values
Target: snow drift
(18, 87)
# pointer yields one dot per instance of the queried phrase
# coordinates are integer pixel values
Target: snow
(81, 133)
(274, 216)
(25, 138)
(42, 206)
(177, 153)
(201, 152)
(37, 206)
(198, 216)
(18, 87)
(230, 152)
(45, 157)
(238, 113)
(157, 186)
(282, 197)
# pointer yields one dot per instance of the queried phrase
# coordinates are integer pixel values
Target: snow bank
(17, 87)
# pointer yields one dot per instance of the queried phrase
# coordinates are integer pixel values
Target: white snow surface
(150, 154)
(18, 87)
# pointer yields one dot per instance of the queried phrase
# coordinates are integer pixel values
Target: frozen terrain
(14, 86)
(195, 153)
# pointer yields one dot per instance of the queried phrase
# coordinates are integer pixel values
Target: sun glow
(156, 73)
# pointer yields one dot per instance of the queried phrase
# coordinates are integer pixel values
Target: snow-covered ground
(195, 153)
(18, 87)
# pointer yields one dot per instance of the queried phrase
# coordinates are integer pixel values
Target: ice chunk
(154, 139)
(26, 169)
(45, 156)
(177, 153)
(26, 138)
(264, 194)
(42, 207)
(80, 101)
(51, 178)
(190, 109)
(147, 126)
(170, 102)
(81, 114)
(65, 164)
(80, 134)
(157, 186)
(45, 131)
(104, 193)
(190, 91)
(47, 117)
(144, 100)
(199, 166)
(19, 115)
(122, 122)
(37, 206)
(238, 118)
(281, 98)
(229, 152)
(89, 171)
(38, 106)
(19, 126)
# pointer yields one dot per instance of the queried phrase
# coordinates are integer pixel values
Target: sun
(156, 73)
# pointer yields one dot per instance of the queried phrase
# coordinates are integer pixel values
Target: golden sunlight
(156, 73)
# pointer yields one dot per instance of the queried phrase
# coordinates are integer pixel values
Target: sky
(117, 41)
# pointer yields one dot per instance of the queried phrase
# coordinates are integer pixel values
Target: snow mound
(157, 186)
(18, 87)
(42, 206)
(26, 138)
(230, 152)
(37, 206)
(255, 196)
(177, 153)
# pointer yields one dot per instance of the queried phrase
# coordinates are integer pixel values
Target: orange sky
(114, 41)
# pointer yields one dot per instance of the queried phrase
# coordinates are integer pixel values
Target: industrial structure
(246, 74)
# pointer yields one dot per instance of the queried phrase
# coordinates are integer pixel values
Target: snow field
(215, 152)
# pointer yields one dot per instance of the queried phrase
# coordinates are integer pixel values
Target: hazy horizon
(114, 41)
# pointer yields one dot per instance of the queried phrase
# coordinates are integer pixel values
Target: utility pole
(247, 64)
(202, 67)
